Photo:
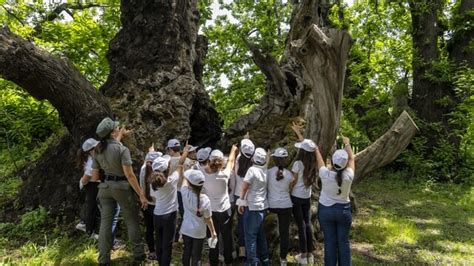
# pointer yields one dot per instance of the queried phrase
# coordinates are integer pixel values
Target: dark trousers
(92, 208)
(165, 226)
(223, 225)
(336, 222)
(284, 216)
(192, 251)
(240, 225)
(301, 213)
(150, 228)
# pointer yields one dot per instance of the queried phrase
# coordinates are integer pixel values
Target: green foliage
(229, 61)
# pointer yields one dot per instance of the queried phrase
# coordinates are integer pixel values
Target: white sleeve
(323, 172)
(88, 167)
(173, 177)
(296, 167)
(206, 208)
(348, 174)
(249, 176)
(142, 177)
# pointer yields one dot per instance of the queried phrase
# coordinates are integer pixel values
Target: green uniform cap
(105, 127)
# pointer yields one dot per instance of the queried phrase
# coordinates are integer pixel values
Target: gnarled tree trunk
(154, 86)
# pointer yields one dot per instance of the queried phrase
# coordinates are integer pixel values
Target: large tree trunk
(430, 90)
(154, 86)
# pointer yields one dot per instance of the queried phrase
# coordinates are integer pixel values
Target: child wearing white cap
(216, 188)
(304, 170)
(202, 157)
(334, 210)
(197, 214)
(242, 164)
(144, 177)
(278, 195)
(84, 158)
(252, 204)
(164, 188)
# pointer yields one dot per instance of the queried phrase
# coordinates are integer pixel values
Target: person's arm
(132, 179)
(85, 179)
(319, 158)
(243, 194)
(122, 133)
(347, 147)
(210, 225)
(180, 167)
(297, 129)
(295, 172)
(231, 161)
(95, 175)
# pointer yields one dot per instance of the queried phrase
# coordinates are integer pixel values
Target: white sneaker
(81, 226)
(95, 236)
(311, 259)
(283, 262)
(299, 259)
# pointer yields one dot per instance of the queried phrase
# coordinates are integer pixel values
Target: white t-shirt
(216, 188)
(257, 194)
(300, 190)
(194, 226)
(278, 191)
(166, 197)
(330, 188)
(142, 182)
(88, 168)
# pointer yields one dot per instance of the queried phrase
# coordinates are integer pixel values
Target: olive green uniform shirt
(112, 158)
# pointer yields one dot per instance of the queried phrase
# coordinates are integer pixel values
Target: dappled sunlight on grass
(413, 223)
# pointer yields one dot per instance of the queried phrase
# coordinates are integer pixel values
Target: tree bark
(430, 91)
(154, 86)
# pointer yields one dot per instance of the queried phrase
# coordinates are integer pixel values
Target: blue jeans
(255, 240)
(335, 221)
(115, 223)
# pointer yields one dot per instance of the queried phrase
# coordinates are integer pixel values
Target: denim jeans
(255, 239)
(335, 221)
(301, 213)
(240, 225)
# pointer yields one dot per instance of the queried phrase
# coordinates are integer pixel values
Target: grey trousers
(111, 193)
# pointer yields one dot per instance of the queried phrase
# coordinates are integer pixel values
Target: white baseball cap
(173, 143)
(247, 147)
(89, 144)
(161, 163)
(280, 152)
(193, 148)
(307, 145)
(260, 156)
(216, 154)
(339, 159)
(152, 155)
(203, 154)
(195, 177)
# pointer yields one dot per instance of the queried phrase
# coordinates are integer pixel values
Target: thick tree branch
(386, 148)
(79, 104)
(271, 69)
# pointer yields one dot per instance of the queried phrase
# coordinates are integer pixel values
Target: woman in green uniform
(118, 187)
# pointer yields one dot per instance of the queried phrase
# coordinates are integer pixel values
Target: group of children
(207, 188)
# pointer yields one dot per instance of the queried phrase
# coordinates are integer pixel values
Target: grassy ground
(398, 222)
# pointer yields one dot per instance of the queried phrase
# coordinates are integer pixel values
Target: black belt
(115, 178)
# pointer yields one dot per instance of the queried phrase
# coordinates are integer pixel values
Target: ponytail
(157, 179)
(148, 171)
(339, 181)
(197, 190)
(281, 163)
(102, 144)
